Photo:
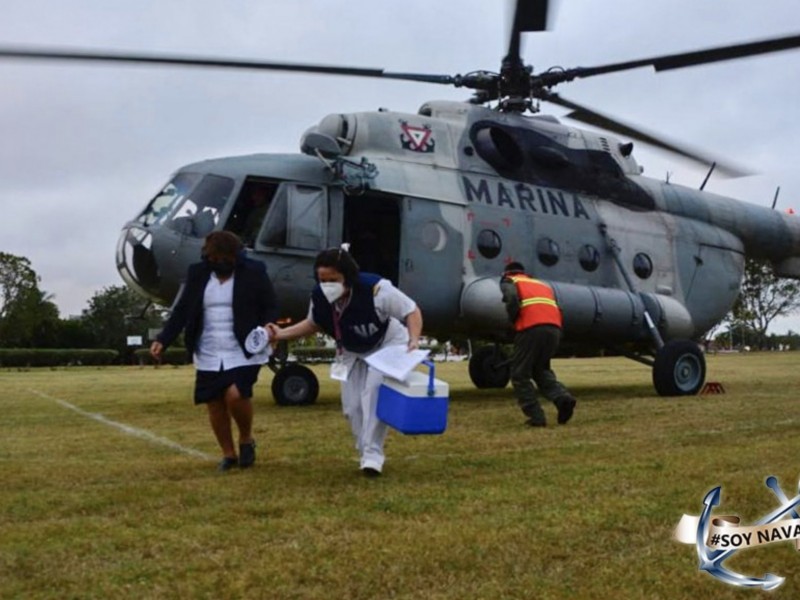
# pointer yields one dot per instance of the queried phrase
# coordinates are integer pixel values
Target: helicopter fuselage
(440, 201)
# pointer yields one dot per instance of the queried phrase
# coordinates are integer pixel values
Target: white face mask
(332, 290)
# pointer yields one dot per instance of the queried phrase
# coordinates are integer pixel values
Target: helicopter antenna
(710, 171)
(775, 199)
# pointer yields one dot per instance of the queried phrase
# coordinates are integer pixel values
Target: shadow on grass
(584, 393)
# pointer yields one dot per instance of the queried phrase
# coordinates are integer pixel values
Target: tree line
(30, 319)
(763, 298)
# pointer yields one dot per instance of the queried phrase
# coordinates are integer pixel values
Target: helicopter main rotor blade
(529, 15)
(194, 61)
(675, 61)
(592, 117)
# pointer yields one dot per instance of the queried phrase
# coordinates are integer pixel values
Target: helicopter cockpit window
(298, 218)
(489, 243)
(548, 252)
(198, 214)
(642, 265)
(168, 198)
(190, 204)
(589, 258)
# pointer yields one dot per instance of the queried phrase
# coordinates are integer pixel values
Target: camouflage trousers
(533, 349)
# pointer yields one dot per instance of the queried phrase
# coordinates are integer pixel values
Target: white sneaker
(371, 468)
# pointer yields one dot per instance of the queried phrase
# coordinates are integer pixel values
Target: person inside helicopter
(250, 210)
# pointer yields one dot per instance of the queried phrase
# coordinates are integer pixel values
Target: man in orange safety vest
(532, 308)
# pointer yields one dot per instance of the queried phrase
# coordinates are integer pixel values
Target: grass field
(490, 509)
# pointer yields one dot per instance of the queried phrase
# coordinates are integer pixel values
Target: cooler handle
(431, 371)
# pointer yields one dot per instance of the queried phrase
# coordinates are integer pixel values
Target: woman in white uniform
(363, 313)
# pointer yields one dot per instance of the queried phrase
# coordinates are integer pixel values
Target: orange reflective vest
(537, 303)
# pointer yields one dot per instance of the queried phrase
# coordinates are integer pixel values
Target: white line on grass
(130, 430)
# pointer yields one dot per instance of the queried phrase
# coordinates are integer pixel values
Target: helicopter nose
(136, 262)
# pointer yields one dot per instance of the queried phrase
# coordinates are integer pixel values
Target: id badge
(339, 370)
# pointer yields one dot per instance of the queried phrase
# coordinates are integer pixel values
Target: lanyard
(337, 329)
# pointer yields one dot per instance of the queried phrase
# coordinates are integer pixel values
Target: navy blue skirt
(211, 385)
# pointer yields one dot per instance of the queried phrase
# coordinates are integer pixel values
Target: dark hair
(514, 267)
(222, 245)
(339, 259)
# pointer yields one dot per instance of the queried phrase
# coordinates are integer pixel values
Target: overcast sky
(84, 147)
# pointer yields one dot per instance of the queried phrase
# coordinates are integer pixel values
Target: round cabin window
(548, 252)
(642, 265)
(489, 243)
(589, 258)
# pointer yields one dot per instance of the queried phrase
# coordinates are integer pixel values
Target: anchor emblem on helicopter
(718, 538)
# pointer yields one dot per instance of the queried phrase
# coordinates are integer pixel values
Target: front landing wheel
(679, 369)
(295, 385)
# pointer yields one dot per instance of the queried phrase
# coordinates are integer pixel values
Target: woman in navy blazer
(224, 298)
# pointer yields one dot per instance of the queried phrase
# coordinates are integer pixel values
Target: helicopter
(440, 200)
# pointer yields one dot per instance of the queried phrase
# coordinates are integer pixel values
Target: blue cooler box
(415, 406)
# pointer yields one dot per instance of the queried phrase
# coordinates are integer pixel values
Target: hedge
(55, 357)
(303, 354)
(311, 354)
(170, 356)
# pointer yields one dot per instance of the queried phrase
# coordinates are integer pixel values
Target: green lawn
(490, 509)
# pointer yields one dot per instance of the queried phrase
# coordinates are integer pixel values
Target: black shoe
(566, 406)
(247, 454)
(370, 472)
(227, 463)
(533, 410)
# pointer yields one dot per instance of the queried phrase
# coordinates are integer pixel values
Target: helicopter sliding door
(293, 232)
(297, 219)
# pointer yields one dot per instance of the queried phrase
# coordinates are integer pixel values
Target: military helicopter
(440, 200)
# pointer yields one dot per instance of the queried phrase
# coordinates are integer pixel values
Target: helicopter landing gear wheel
(295, 385)
(489, 368)
(679, 369)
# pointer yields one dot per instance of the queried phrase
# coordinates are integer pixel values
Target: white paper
(339, 371)
(396, 361)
